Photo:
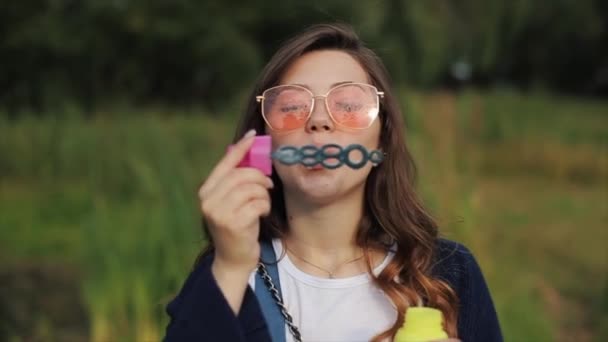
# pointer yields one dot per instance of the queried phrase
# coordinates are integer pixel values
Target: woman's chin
(316, 185)
(319, 186)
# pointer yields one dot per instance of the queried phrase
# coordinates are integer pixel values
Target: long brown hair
(393, 212)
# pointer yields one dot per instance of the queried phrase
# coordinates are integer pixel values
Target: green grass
(520, 180)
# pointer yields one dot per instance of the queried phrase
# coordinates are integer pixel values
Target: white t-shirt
(345, 309)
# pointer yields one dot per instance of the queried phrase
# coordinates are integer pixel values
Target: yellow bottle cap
(421, 325)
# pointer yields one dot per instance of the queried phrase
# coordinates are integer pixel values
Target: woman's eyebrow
(331, 86)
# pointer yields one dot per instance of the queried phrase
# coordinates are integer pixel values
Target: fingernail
(271, 183)
(249, 134)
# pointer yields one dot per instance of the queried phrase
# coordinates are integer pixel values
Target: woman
(355, 247)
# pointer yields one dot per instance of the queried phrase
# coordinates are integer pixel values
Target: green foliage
(55, 53)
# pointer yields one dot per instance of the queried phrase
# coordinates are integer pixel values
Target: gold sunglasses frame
(261, 98)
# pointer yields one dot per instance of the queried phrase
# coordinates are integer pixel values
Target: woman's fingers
(230, 161)
(249, 216)
(260, 207)
(250, 196)
(234, 199)
(238, 177)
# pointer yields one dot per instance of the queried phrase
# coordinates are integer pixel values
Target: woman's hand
(232, 201)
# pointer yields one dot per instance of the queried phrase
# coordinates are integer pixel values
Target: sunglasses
(350, 105)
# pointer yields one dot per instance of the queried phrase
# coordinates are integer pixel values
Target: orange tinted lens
(353, 105)
(287, 107)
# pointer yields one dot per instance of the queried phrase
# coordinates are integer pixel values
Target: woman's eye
(292, 108)
(349, 107)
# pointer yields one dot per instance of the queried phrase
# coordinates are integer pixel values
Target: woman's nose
(320, 120)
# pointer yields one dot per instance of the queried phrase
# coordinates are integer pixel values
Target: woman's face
(320, 71)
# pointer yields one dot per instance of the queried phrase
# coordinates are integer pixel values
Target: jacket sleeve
(477, 318)
(200, 312)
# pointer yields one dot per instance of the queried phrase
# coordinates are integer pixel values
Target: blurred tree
(184, 52)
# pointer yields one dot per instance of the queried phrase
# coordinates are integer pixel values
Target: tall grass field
(99, 221)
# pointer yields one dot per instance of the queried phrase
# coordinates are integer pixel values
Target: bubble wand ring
(329, 155)
(310, 155)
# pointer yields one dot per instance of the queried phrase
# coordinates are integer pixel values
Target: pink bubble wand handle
(259, 155)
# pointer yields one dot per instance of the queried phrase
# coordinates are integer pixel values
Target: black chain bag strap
(293, 329)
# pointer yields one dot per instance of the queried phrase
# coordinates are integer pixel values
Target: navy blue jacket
(201, 313)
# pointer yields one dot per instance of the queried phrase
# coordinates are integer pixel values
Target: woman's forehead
(321, 70)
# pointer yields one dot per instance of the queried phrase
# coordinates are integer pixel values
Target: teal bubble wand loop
(260, 155)
(310, 155)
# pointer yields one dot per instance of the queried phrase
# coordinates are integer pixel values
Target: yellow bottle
(422, 324)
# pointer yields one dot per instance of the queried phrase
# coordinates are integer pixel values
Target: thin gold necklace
(330, 273)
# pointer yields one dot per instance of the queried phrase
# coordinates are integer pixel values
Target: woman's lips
(315, 168)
